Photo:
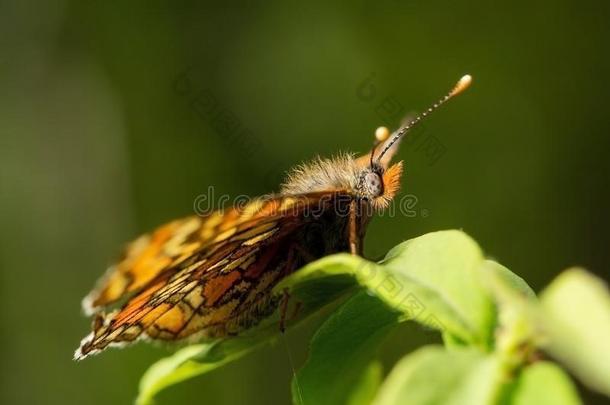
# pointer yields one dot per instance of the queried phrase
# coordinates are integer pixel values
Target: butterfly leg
(289, 268)
(355, 241)
(284, 310)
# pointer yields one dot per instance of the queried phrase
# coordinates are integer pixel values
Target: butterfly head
(378, 180)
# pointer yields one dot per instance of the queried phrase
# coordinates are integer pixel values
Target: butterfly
(211, 276)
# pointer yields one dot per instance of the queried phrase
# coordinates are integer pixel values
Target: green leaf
(516, 332)
(367, 386)
(341, 350)
(446, 265)
(188, 363)
(502, 278)
(434, 279)
(433, 375)
(544, 383)
(576, 317)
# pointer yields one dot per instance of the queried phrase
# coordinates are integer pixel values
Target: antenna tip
(461, 85)
(382, 134)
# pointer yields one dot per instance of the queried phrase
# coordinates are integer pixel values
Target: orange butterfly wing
(209, 276)
(144, 259)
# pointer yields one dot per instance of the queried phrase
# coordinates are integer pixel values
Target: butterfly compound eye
(373, 184)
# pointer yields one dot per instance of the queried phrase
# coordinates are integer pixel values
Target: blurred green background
(106, 132)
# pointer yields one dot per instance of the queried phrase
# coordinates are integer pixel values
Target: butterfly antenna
(381, 135)
(460, 86)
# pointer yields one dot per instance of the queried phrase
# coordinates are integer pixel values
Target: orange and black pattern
(203, 276)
